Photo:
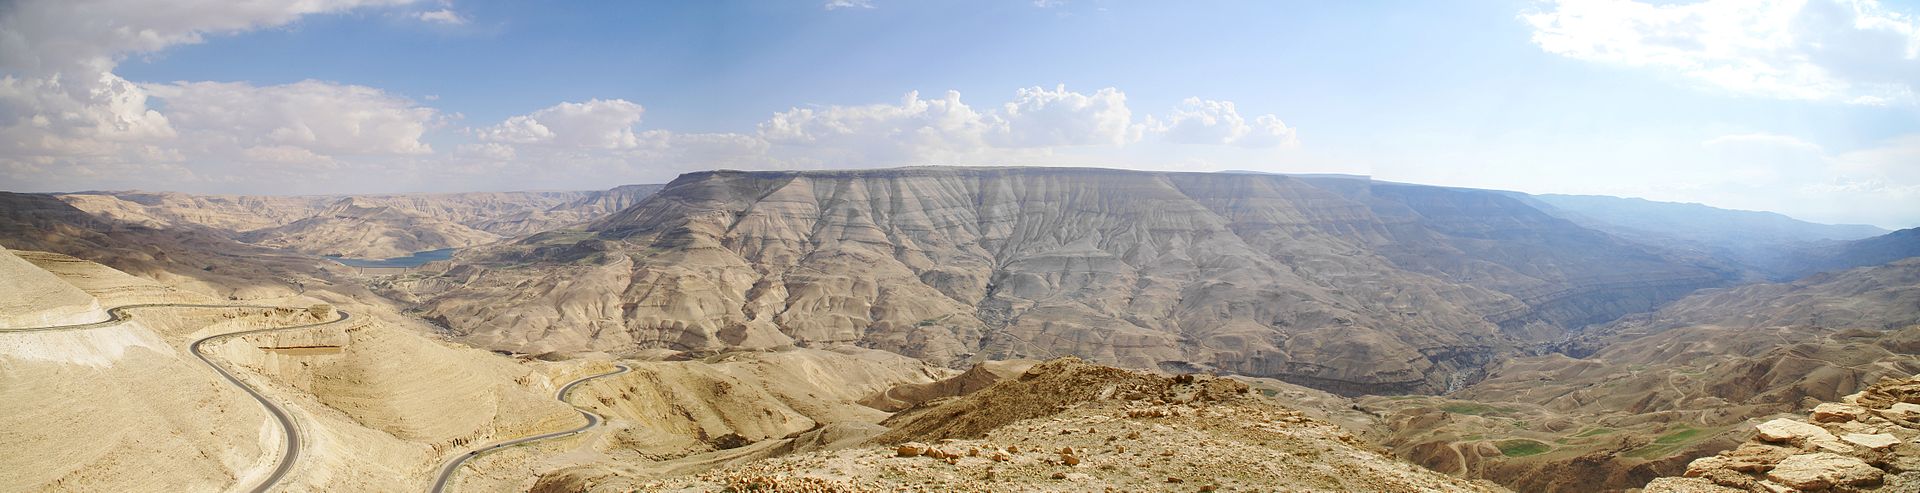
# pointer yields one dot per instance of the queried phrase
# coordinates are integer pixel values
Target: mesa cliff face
(1339, 283)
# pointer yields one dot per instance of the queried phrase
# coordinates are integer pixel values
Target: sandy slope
(126, 408)
(32, 297)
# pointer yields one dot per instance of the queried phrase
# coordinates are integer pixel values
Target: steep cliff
(1339, 283)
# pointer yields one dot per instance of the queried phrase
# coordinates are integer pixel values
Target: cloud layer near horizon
(68, 121)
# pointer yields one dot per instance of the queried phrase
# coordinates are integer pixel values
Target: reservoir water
(415, 260)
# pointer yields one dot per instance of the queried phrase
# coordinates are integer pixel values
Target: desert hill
(1640, 397)
(1860, 253)
(128, 407)
(364, 229)
(1334, 282)
(1066, 425)
(361, 226)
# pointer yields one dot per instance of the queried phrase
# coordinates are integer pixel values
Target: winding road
(593, 420)
(118, 314)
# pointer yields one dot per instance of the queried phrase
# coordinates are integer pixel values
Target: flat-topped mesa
(32, 297)
(1337, 282)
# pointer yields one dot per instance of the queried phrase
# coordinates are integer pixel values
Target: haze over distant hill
(363, 226)
(1769, 242)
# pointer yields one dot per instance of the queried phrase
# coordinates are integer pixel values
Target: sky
(1804, 107)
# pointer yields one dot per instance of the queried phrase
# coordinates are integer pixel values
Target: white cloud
(913, 129)
(1205, 121)
(603, 124)
(1854, 51)
(1039, 118)
(849, 4)
(1785, 173)
(322, 118)
(66, 117)
(59, 94)
(442, 16)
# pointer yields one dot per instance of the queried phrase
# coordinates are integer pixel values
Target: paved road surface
(118, 314)
(453, 466)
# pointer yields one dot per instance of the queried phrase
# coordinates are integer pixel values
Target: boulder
(1785, 430)
(1878, 441)
(1821, 470)
(1833, 412)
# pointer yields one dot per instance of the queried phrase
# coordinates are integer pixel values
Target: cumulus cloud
(1038, 117)
(322, 118)
(1855, 51)
(66, 117)
(604, 124)
(1035, 122)
(59, 92)
(1205, 121)
(882, 132)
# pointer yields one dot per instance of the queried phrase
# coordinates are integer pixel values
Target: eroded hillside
(1648, 393)
(1343, 284)
(361, 226)
(1066, 425)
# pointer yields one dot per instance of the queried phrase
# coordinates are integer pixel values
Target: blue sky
(1815, 119)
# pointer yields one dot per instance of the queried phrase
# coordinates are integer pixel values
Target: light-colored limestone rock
(1879, 441)
(1833, 412)
(1787, 430)
(1822, 470)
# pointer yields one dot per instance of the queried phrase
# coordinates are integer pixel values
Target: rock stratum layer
(1339, 283)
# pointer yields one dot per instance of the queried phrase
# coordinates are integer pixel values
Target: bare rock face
(1341, 284)
(1874, 450)
(1823, 470)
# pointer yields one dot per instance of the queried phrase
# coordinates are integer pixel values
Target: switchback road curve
(593, 420)
(118, 315)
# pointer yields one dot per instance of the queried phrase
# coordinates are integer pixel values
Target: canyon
(1007, 329)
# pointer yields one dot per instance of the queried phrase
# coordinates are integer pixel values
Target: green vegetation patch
(1668, 443)
(1684, 434)
(1521, 447)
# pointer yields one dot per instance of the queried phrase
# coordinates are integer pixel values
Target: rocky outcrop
(1865, 442)
(1342, 284)
(1063, 425)
(1651, 392)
